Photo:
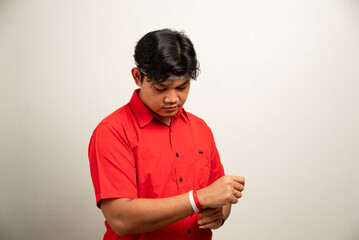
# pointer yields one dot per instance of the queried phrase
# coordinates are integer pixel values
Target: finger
(239, 179)
(212, 225)
(209, 211)
(237, 194)
(234, 199)
(237, 186)
(208, 219)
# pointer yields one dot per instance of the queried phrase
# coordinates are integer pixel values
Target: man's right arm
(130, 216)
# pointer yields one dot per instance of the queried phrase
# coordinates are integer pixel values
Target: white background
(278, 86)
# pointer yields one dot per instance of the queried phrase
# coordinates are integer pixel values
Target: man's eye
(160, 90)
(181, 88)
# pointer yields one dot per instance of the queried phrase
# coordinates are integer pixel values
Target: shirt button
(189, 230)
(181, 180)
(177, 155)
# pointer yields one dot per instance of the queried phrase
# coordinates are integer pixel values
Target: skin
(164, 99)
(131, 216)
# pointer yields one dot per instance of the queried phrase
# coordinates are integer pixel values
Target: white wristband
(191, 199)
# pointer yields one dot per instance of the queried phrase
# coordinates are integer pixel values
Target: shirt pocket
(201, 158)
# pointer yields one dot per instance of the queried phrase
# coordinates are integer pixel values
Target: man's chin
(169, 112)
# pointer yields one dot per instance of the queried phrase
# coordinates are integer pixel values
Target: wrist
(193, 198)
(192, 201)
(223, 220)
(201, 195)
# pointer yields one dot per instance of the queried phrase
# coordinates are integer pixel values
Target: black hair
(162, 53)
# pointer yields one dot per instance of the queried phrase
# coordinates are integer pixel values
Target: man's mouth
(171, 108)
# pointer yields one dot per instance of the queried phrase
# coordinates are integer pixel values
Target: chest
(171, 160)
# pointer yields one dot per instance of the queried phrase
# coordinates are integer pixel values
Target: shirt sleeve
(217, 169)
(112, 164)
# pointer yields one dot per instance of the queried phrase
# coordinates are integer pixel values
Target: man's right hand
(226, 190)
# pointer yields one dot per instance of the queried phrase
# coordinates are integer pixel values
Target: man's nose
(171, 96)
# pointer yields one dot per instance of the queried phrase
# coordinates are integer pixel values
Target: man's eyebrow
(185, 83)
(164, 85)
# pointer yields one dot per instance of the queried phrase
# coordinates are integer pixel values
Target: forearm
(226, 210)
(127, 216)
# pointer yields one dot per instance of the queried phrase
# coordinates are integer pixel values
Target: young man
(155, 167)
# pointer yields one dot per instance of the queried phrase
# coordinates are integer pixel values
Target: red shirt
(134, 155)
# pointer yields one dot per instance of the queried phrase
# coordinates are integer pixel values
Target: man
(155, 167)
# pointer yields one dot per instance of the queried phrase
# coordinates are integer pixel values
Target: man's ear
(136, 76)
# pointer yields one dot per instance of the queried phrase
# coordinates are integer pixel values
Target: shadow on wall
(6, 7)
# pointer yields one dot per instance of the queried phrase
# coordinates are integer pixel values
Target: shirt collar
(144, 115)
(182, 112)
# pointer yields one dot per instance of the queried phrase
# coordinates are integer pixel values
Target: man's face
(164, 99)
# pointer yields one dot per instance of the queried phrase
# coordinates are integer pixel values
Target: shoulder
(198, 123)
(116, 123)
(118, 118)
(117, 129)
(195, 119)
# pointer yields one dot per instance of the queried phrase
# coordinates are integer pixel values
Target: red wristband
(196, 200)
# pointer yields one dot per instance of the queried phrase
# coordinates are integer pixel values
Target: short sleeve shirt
(133, 155)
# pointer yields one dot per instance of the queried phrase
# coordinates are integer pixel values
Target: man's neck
(165, 120)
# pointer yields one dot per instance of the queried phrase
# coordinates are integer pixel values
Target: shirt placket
(176, 156)
(181, 178)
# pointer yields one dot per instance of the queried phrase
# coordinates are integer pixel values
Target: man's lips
(171, 108)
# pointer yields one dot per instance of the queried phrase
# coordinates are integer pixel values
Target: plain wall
(278, 86)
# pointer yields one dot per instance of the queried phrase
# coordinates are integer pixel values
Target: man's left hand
(210, 218)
